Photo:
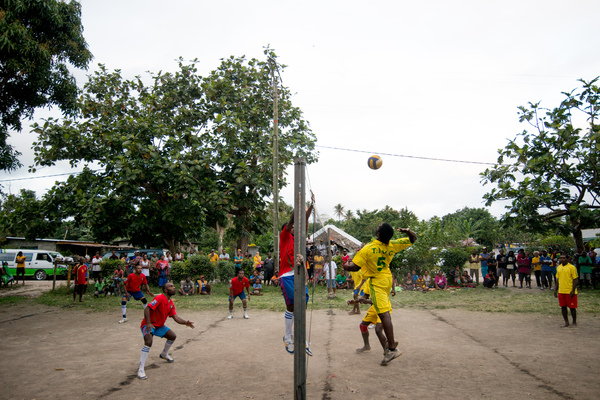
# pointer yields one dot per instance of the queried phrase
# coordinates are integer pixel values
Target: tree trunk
(221, 232)
(577, 234)
(242, 244)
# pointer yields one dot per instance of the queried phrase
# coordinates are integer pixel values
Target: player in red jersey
(133, 288)
(80, 282)
(286, 276)
(153, 324)
(236, 289)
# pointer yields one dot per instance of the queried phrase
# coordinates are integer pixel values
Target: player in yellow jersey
(373, 260)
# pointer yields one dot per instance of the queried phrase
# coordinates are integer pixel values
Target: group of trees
(184, 156)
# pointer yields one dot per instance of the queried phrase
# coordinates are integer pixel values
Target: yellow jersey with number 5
(374, 259)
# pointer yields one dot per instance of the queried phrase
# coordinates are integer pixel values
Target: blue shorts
(160, 332)
(359, 292)
(287, 289)
(136, 295)
(241, 295)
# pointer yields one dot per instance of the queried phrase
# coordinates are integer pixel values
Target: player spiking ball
(153, 324)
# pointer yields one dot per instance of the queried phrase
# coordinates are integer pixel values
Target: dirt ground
(50, 353)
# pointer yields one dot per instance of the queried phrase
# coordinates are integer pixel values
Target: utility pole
(275, 167)
(299, 280)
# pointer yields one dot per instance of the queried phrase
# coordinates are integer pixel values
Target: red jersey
(160, 309)
(81, 275)
(238, 286)
(134, 283)
(286, 251)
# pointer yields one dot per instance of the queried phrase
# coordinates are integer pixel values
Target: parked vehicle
(38, 263)
(131, 252)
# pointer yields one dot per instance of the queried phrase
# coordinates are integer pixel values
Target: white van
(38, 263)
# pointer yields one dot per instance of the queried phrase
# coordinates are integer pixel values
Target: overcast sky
(433, 79)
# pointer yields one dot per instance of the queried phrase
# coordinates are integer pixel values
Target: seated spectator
(255, 276)
(466, 280)
(455, 274)
(415, 276)
(275, 279)
(427, 279)
(186, 287)
(256, 287)
(340, 281)
(490, 280)
(440, 281)
(100, 287)
(202, 286)
(5, 276)
(408, 283)
(420, 284)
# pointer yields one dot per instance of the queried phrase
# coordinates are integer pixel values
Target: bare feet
(353, 312)
(565, 325)
(363, 349)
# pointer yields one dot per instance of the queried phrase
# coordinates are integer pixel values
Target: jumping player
(286, 277)
(371, 317)
(133, 287)
(236, 289)
(374, 260)
(153, 324)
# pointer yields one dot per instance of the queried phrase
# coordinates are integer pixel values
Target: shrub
(108, 267)
(194, 266)
(225, 270)
(453, 257)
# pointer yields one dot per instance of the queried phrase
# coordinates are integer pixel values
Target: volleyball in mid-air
(375, 162)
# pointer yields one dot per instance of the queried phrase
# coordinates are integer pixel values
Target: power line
(45, 176)
(405, 156)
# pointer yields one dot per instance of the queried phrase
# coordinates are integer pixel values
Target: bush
(225, 270)
(194, 266)
(453, 257)
(108, 267)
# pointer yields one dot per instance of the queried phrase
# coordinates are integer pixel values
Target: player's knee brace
(123, 303)
(364, 328)
(144, 301)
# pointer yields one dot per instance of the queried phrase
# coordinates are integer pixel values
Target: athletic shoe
(230, 316)
(389, 355)
(387, 346)
(289, 347)
(308, 351)
(167, 357)
(142, 375)
(125, 320)
(246, 316)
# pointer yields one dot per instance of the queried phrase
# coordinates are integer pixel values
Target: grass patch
(478, 299)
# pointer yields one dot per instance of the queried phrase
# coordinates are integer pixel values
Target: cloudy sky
(413, 81)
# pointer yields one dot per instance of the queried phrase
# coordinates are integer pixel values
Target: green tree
(553, 173)
(38, 39)
(339, 211)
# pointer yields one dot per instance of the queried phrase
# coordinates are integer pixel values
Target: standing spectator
(223, 256)
(238, 261)
(524, 270)
(162, 266)
(546, 266)
(113, 256)
(566, 290)
(492, 265)
(501, 260)
(21, 266)
(96, 266)
(179, 256)
(483, 258)
(236, 289)
(330, 268)
(440, 281)
(257, 261)
(213, 257)
(81, 281)
(474, 264)
(269, 269)
(319, 261)
(169, 259)
(585, 270)
(145, 263)
(511, 268)
(555, 255)
(345, 257)
(322, 248)
(537, 269)
(152, 266)
(134, 261)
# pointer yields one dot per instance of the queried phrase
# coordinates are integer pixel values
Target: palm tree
(338, 211)
(349, 215)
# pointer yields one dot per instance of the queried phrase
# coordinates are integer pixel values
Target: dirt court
(50, 353)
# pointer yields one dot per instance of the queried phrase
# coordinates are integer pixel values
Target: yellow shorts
(380, 289)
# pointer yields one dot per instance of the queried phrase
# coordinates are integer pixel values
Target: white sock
(143, 357)
(230, 312)
(289, 326)
(245, 311)
(168, 344)
(124, 311)
(145, 305)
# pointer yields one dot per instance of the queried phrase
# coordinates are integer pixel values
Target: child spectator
(100, 287)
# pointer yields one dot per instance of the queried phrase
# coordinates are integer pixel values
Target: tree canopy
(552, 173)
(169, 159)
(38, 39)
